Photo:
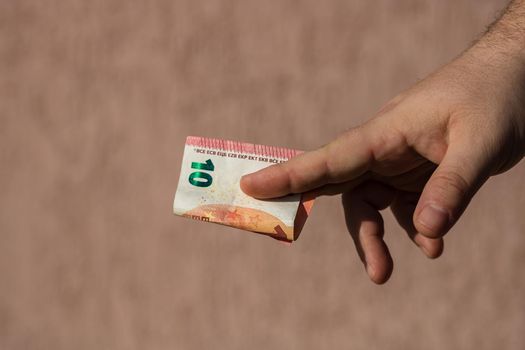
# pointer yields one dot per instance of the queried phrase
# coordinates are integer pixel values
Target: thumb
(449, 190)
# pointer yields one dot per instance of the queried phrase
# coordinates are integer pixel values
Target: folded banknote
(209, 190)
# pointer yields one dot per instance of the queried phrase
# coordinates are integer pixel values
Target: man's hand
(425, 154)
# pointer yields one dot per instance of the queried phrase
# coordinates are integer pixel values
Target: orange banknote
(209, 190)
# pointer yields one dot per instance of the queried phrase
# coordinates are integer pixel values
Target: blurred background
(96, 99)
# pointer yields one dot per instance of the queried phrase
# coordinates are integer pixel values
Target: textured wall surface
(96, 99)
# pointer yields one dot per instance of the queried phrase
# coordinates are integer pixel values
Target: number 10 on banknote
(209, 189)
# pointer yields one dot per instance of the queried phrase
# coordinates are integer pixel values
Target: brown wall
(96, 98)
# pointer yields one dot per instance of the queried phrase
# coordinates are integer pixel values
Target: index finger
(344, 159)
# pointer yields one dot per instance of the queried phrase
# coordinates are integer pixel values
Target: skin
(426, 152)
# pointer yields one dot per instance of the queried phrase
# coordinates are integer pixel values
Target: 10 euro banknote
(209, 189)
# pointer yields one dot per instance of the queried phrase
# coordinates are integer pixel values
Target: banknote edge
(282, 153)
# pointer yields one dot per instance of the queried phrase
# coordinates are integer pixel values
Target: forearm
(509, 30)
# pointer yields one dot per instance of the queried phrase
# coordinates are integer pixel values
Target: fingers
(403, 209)
(450, 189)
(344, 159)
(365, 225)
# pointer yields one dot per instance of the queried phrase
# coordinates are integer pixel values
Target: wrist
(498, 69)
(501, 52)
(504, 41)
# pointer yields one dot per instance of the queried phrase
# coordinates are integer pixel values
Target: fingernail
(427, 252)
(245, 179)
(369, 269)
(434, 218)
(424, 249)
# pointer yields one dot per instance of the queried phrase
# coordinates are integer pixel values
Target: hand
(424, 155)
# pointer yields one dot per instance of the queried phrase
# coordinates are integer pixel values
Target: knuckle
(451, 180)
(328, 171)
(294, 179)
(390, 144)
